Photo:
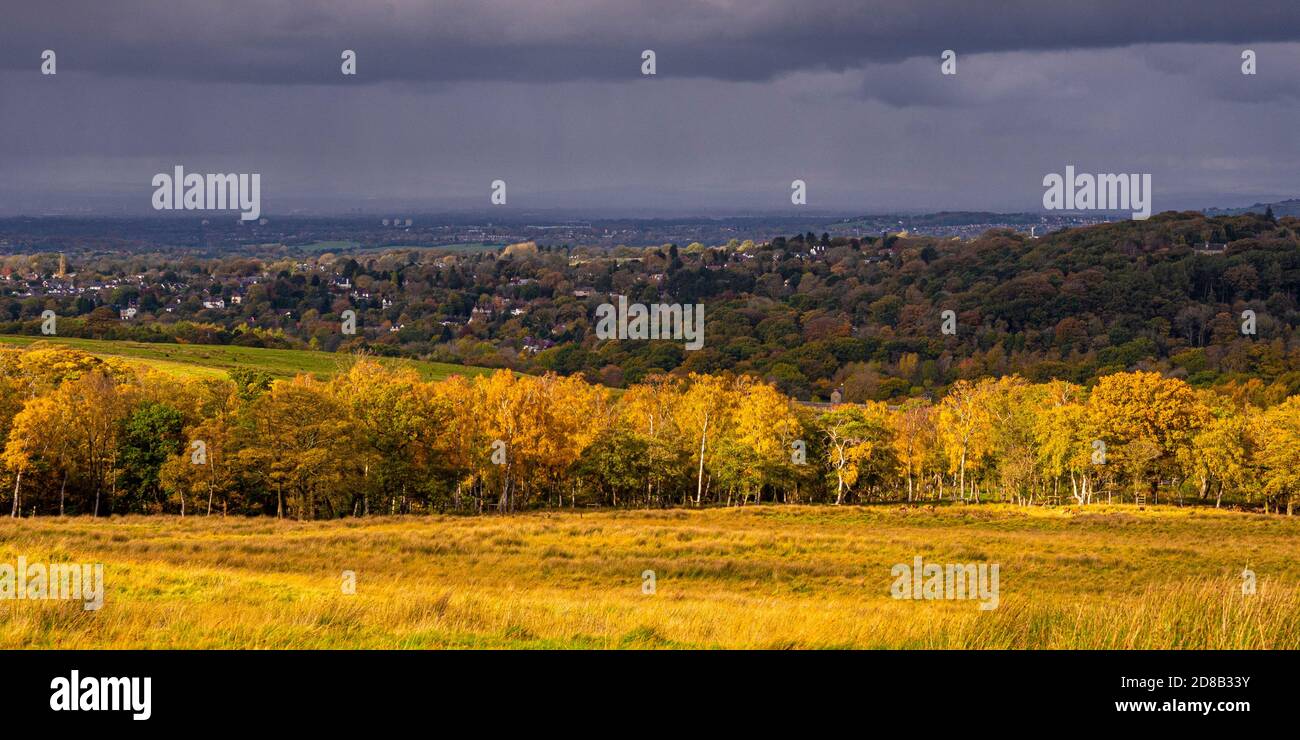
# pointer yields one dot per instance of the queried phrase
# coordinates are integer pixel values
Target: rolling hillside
(205, 360)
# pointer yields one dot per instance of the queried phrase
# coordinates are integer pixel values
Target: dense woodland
(89, 436)
(809, 314)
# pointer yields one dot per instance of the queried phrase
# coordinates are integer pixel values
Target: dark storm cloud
(547, 95)
(299, 41)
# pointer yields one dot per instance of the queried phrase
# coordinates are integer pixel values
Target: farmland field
(352, 247)
(753, 577)
(213, 361)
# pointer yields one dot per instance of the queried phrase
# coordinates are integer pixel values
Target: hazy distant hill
(1289, 207)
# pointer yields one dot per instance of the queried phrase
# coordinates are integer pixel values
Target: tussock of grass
(759, 577)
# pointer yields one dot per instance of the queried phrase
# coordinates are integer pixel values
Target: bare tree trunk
(17, 482)
(699, 481)
(963, 474)
(839, 480)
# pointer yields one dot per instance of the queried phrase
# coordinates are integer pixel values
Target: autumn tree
(859, 446)
(296, 444)
(149, 436)
(1278, 435)
(1145, 420)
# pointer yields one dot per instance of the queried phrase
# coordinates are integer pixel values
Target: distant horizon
(517, 213)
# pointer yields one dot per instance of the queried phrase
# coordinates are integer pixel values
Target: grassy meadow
(213, 361)
(754, 577)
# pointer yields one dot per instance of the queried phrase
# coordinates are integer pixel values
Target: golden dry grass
(760, 577)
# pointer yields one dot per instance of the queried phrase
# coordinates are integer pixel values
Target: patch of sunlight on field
(179, 369)
(213, 361)
(759, 577)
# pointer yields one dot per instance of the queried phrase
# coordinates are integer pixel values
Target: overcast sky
(548, 95)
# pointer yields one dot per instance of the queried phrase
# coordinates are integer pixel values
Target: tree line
(84, 435)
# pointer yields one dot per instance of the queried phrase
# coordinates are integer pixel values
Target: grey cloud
(546, 95)
(298, 42)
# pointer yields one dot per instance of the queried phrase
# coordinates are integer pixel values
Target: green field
(213, 361)
(460, 247)
(345, 247)
(335, 245)
(465, 247)
(752, 577)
